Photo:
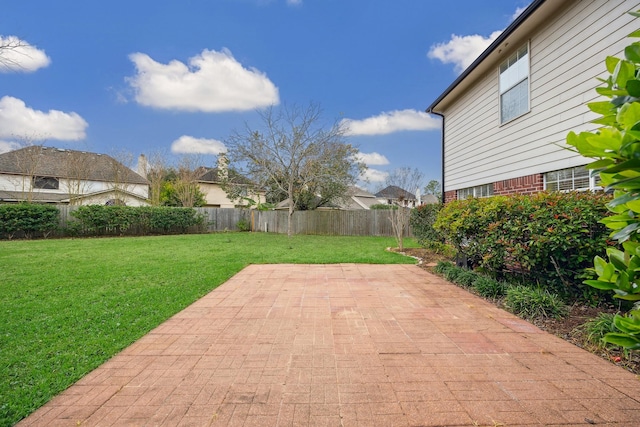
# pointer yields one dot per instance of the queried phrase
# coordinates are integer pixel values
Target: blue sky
(177, 76)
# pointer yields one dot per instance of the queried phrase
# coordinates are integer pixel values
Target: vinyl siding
(566, 56)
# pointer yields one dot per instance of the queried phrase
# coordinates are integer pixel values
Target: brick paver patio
(347, 345)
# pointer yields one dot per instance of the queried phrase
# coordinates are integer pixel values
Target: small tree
(434, 188)
(154, 168)
(406, 179)
(294, 155)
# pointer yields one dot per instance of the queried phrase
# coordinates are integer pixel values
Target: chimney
(223, 167)
(143, 166)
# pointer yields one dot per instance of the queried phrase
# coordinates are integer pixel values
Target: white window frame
(568, 182)
(519, 64)
(479, 191)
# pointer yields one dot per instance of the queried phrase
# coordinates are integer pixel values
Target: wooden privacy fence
(338, 223)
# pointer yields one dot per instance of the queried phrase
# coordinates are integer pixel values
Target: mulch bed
(567, 328)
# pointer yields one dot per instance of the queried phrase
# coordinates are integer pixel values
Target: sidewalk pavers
(347, 345)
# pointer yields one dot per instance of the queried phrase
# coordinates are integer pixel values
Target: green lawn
(69, 305)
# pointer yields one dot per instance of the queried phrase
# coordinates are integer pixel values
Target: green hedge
(27, 220)
(120, 220)
(548, 239)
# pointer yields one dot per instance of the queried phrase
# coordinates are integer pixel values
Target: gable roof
(54, 162)
(516, 33)
(395, 192)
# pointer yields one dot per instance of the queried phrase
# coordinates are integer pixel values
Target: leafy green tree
(433, 187)
(616, 148)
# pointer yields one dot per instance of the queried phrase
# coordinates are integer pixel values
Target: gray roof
(395, 192)
(54, 162)
(211, 175)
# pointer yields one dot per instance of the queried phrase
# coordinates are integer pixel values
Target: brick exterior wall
(522, 185)
(529, 184)
(450, 196)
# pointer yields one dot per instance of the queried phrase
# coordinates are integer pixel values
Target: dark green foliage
(489, 287)
(28, 220)
(422, 220)
(531, 303)
(466, 278)
(443, 266)
(97, 220)
(382, 206)
(547, 238)
(451, 274)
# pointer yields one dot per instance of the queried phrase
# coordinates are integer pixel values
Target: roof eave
(535, 4)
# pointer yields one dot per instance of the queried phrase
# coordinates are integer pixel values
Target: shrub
(28, 220)
(443, 266)
(548, 238)
(382, 206)
(595, 329)
(421, 220)
(451, 274)
(243, 225)
(530, 303)
(489, 287)
(119, 220)
(466, 278)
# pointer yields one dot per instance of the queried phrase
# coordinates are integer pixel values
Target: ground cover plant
(69, 305)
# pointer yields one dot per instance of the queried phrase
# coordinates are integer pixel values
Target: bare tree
(154, 168)
(120, 171)
(27, 160)
(78, 169)
(407, 180)
(8, 46)
(294, 154)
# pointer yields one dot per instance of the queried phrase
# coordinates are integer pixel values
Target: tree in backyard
(405, 179)
(434, 188)
(78, 169)
(294, 155)
(154, 168)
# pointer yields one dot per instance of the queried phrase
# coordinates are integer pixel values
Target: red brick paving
(347, 345)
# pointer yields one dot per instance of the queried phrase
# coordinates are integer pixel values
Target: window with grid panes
(514, 85)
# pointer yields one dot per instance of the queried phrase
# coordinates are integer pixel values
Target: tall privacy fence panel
(339, 223)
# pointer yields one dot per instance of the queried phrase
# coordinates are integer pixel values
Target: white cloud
(19, 56)
(374, 175)
(394, 121)
(294, 2)
(211, 82)
(461, 50)
(517, 12)
(190, 145)
(19, 121)
(6, 146)
(372, 159)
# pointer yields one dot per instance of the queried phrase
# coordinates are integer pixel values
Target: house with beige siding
(506, 117)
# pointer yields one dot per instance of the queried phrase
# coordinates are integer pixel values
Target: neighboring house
(53, 175)
(210, 183)
(506, 117)
(359, 199)
(394, 195)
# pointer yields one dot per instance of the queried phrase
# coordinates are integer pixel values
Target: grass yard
(69, 305)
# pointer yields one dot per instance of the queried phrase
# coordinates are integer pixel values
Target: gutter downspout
(430, 111)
